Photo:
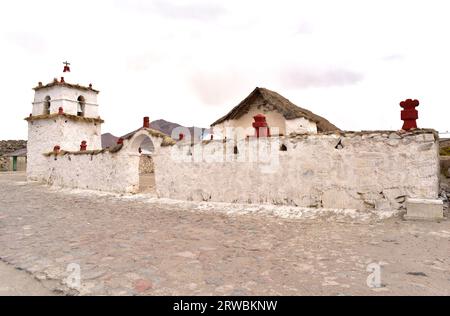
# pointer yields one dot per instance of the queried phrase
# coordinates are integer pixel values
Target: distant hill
(109, 140)
(9, 146)
(167, 127)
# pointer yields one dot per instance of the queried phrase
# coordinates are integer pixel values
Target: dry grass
(445, 151)
(167, 140)
(65, 84)
(85, 152)
(68, 116)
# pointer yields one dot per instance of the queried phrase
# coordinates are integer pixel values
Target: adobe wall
(275, 120)
(66, 98)
(370, 171)
(111, 172)
(43, 135)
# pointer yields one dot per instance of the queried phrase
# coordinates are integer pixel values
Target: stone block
(424, 209)
(429, 137)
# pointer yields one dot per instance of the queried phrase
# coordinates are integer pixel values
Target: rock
(217, 281)
(417, 274)
(142, 285)
(186, 254)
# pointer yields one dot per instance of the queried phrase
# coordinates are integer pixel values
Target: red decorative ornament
(261, 127)
(83, 145)
(120, 141)
(60, 111)
(181, 136)
(146, 122)
(409, 114)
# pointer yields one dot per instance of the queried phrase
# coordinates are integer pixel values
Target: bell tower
(63, 114)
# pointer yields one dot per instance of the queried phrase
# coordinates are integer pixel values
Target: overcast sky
(190, 62)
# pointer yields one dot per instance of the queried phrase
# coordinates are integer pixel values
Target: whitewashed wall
(372, 171)
(67, 98)
(300, 125)
(112, 172)
(241, 127)
(43, 135)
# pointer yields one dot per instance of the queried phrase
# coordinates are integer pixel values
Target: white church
(311, 162)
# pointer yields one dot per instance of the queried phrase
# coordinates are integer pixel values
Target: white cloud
(309, 77)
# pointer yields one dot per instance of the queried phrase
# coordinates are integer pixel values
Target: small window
(81, 106)
(283, 147)
(47, 105)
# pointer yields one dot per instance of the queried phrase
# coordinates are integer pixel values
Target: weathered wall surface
(113, 172)
(275, 120)
(146, 165)
(67, 99)
(8, 164)
(43, 135)
(371, 170)
(300, 125)
(116, 171)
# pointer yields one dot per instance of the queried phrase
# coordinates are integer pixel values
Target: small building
(283, 117)
(17, 160)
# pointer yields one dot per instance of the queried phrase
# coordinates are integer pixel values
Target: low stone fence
(353, 170)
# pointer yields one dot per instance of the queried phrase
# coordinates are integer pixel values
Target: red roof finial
(66, 66)
(409, 114)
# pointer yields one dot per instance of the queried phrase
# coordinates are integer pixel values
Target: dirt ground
(134, 245)
(147, 183)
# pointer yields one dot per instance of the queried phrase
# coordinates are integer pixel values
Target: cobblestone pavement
(19, 283)
(128, 246)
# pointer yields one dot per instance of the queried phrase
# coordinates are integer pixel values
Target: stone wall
(146, 165)
(113, 172)
(349, 170)
(43, 135)
(357, 170)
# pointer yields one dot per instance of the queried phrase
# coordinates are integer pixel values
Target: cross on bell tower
(66, 66)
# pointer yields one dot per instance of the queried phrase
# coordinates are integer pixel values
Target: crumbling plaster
(371, 170)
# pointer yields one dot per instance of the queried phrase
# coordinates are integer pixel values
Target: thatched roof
(68, 116)
(112, 150)
(64, 84)
(276, 102)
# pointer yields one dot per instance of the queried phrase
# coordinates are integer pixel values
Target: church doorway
(146, 167)
(143, 146)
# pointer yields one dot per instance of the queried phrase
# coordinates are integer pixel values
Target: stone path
(128, 246)
(19, 283)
